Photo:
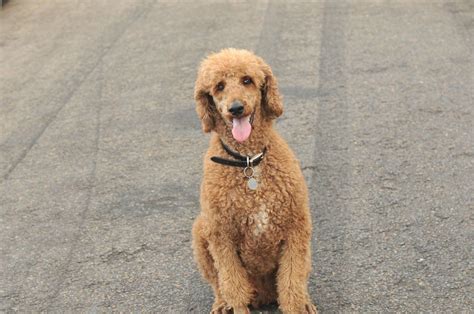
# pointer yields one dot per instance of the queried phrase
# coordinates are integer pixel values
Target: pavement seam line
(92, 179)
(330, 174)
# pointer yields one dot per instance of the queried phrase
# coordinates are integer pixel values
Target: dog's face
(236, 90)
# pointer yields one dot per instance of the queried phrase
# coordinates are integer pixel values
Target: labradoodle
(252, 238)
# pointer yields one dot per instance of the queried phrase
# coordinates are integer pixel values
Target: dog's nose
(236, 109)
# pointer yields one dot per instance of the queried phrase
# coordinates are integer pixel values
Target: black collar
(242, 161)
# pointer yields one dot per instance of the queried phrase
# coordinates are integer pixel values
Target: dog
(252, 238)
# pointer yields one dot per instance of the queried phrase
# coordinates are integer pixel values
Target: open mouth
(242, 127)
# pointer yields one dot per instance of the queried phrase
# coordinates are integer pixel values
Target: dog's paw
(300, 309)
(221, 308)
(241, 310)
(310, 309)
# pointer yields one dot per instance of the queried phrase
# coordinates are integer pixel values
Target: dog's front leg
(293, 272)
(233, 279)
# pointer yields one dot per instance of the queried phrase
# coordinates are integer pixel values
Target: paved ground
(100, 148)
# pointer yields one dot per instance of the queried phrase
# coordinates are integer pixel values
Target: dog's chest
(257, 211)
(258, 222)
(260, 236)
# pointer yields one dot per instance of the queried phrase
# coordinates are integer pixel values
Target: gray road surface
(100, 148)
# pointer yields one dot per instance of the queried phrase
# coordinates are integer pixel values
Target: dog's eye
(246, 80)
(220, 86)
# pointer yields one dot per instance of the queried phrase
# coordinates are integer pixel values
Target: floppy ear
(205, 107)
(271, 99)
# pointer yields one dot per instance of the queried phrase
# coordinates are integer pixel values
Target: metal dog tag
(249, 172)
(252, 183)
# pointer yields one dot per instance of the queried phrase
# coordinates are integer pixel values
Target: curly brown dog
(252, 237)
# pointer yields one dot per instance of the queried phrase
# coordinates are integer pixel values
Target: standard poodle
(252, 238)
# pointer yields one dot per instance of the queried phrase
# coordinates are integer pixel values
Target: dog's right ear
(205, 107)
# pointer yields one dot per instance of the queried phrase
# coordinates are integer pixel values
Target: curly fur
(253, 247)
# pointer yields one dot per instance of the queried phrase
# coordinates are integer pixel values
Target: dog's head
(236, 90)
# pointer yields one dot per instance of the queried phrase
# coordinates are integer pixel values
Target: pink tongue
(241, 128)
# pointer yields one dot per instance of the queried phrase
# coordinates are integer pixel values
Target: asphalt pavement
(101, 149)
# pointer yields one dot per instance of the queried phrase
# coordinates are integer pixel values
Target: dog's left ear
(271, 99)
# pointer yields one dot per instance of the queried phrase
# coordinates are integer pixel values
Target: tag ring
(246, 172)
